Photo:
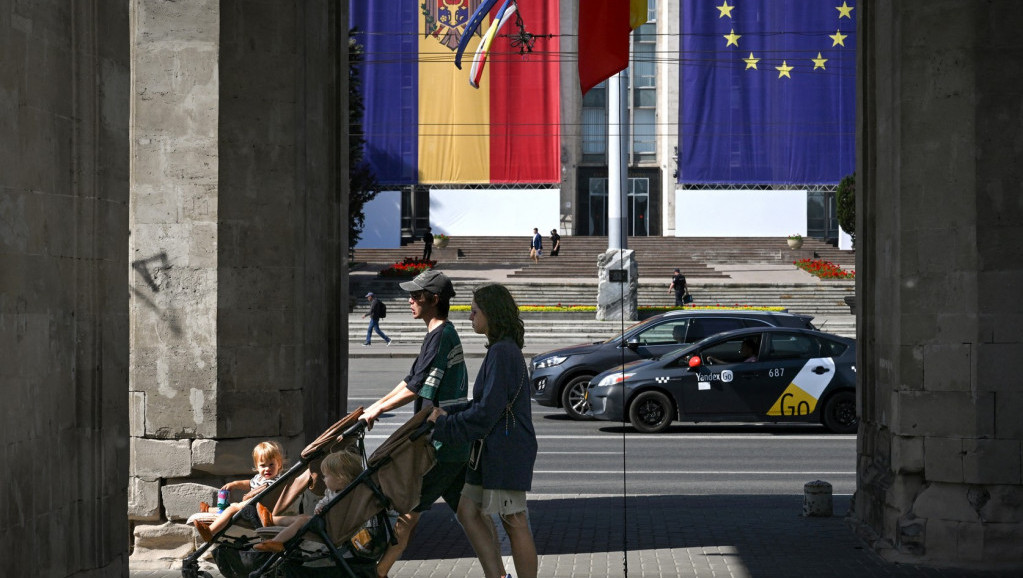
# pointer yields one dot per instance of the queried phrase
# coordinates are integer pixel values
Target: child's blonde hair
(345, 464)
(268, 451)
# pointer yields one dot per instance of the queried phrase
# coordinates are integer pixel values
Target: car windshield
(632, 329)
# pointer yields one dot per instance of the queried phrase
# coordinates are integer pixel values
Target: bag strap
(508, 413)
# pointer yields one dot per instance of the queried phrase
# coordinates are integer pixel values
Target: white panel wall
(383, 222)
(845, 242)
(739, 213)
(494, 211)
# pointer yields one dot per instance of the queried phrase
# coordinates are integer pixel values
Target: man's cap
(370, 294)
(677, 270)
(433, 281)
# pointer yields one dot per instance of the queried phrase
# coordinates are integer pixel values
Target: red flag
(603, 40)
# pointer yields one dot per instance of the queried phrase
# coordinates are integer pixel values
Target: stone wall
(940, 219)
(63, 320)
(238, 246)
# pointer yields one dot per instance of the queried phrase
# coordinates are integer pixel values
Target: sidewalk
(664, 536)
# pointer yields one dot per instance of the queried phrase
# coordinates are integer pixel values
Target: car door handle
(820, 370)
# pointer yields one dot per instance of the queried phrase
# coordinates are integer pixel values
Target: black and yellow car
(760, 375)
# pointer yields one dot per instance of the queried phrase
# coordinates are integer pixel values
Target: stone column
(940, 224)
(63, 299)
(238, 240)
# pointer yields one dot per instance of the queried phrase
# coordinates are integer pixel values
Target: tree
(362, 183)
(845, 195)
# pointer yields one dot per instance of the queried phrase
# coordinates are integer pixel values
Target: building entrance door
(637, 203)
(822, 216)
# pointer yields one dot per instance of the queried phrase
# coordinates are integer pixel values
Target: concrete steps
(824, 301)
(655, 255)
(579, 328)
(571, 279)
(823, 298)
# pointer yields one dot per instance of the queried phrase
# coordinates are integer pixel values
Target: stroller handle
(423, 429)
(359, 427)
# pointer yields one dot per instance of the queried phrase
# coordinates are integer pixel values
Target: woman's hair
(345, 464)
(503, 321)
(268, 451)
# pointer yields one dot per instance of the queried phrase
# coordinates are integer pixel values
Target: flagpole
(617, 237)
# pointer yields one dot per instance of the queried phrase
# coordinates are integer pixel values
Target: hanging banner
(425, 123)
(767, 92)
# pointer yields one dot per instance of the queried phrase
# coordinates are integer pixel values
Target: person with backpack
(377, 311)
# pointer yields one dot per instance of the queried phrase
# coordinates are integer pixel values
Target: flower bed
(409, 267)
(824, 269)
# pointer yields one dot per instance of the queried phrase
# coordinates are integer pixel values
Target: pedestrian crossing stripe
(803, 393)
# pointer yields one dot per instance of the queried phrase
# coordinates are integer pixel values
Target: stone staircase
(824, 301)
(656, 256)
(570, 279)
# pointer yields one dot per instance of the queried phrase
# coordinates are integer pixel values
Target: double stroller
(390, 482)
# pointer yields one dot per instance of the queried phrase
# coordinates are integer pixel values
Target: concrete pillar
(617, 285)
(63, 315)
(940, 223)
(239, 234)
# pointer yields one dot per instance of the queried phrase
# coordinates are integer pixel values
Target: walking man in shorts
(438, 378)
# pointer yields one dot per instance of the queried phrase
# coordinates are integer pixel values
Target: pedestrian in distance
(499, 424)
(536, 246)
(678, 285)
(377, 311)
(555, 243)
(438, 378)
(427, 243)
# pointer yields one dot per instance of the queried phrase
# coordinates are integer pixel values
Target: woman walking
(499, 423)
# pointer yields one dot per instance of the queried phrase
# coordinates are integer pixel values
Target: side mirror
(695, 362)
(633, 343)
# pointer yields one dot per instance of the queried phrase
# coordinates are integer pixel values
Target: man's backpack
(383, 309)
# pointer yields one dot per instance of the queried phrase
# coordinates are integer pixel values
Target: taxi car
(759, 375)
(559, 377)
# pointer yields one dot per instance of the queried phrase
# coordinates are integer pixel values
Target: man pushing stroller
(438, 377)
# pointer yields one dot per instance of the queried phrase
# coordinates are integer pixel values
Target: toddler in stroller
(268, 461)
(272, 501)
(351, 529)
(338, 470)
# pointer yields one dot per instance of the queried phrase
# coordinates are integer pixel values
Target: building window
(644, 95)
(595, 124)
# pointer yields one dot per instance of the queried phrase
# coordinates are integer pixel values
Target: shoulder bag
(476, 451)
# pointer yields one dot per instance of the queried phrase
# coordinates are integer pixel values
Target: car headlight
(550, 361)
(614, 378)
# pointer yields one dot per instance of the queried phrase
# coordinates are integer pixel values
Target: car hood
(631, 366)
(581, 349)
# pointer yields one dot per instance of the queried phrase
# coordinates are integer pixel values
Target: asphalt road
(601, 458)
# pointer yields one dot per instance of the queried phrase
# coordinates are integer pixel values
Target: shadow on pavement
(764, 534)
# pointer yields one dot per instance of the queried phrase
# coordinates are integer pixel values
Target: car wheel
(839, 413)
(573, 398)
(651, 412)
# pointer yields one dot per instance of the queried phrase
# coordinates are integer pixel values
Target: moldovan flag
(604, 27)
(425, 124)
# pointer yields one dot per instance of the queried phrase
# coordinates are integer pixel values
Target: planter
(441, 243)
(795, 243)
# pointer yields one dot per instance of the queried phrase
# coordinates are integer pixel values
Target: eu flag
(768, 91)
